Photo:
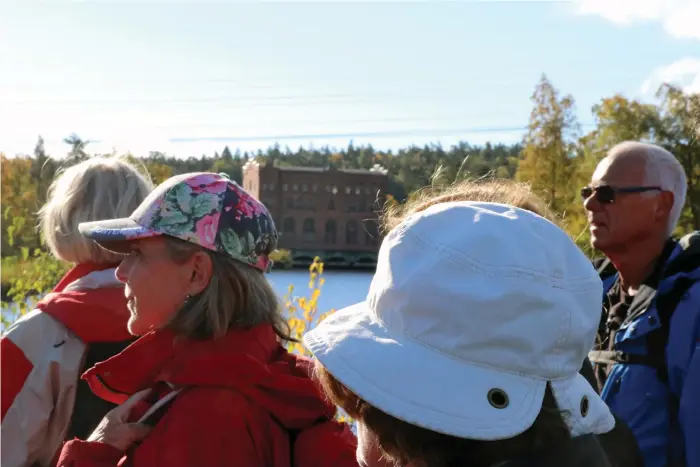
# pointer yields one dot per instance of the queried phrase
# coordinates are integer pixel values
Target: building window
(271, 187)
(295, 187)
(309, 230)
(304, 188)
(288, 226)
(314, 188)
(330, 232)
(367, 190)
(328, 188)
(351, 232)
(357, 190)
(284, 187)
(348, 190)
(371, 233)
(331, 204)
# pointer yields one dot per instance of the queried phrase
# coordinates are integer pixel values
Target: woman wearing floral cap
(209, 382)
(468, 347)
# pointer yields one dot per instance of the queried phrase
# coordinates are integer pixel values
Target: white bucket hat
(473, 308)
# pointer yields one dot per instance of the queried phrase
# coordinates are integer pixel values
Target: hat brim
(424, 387)
(116, 234)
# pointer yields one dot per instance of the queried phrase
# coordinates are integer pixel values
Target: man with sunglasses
(647, 352)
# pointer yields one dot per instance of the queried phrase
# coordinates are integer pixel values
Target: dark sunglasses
(605, 194)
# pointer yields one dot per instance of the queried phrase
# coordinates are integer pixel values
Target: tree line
(555, 157)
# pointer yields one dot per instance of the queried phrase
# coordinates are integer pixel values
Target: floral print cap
(206, 209)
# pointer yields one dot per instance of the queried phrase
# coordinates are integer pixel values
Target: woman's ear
(201, 272)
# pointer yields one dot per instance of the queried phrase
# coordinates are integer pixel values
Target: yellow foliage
(302, 312)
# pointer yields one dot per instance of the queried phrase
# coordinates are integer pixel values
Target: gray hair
(97, 189)
(662, 170)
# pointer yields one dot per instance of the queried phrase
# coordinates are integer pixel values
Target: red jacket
(42, 356)
(242, 397)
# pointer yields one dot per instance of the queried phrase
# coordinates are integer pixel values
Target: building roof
(375, 170)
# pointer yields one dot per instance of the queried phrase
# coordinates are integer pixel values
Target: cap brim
(424, 387)
(115, 234)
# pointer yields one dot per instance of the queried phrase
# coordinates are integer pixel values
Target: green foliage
(557, 164)
(549, 144)
(552, 157)
(26, 278)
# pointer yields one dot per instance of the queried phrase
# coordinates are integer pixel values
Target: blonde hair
(490, 190)
(237, 296)
(97, 189)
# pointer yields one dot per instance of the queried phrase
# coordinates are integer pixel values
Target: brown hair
(405, 443)
(490, 190)
(237, 296)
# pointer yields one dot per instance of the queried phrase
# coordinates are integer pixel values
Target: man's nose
(591, 203)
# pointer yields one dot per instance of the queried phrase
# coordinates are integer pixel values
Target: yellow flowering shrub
(302, 315)
(302, 311)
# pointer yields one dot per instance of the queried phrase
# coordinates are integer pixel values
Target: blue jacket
(664, 417)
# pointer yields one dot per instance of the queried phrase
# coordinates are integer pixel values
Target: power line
(388, 133)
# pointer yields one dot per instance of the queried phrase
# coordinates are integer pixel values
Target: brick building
(326, 212)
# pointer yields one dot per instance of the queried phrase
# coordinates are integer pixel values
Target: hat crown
(214, 212)
(489, 284)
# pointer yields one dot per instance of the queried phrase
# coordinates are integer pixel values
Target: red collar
(251, 362)
(160, 356)
(94, 315)
(81, 270)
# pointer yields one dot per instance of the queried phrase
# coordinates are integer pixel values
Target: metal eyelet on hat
(584, 406)
(498, 398)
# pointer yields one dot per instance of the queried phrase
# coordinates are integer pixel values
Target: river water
(340, 289)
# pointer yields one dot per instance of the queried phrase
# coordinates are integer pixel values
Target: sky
(188, 78)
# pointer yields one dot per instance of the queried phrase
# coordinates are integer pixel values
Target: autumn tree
(158, 171)
(19, 205)
(549, 147)
(678, 133)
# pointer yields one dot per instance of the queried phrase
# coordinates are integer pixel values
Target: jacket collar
(79, 271)
(161, 356)
(90, 302)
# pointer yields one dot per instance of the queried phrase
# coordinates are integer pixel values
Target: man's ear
(201, 272)
(665, 204)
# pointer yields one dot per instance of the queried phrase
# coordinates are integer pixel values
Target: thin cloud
(680, 18)
(684, 73)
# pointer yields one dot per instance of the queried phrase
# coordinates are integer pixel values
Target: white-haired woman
(210, 381)
(82, 321)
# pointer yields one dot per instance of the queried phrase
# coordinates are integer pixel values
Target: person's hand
(114, 428)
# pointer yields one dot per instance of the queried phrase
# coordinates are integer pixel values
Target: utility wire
(387, 133)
